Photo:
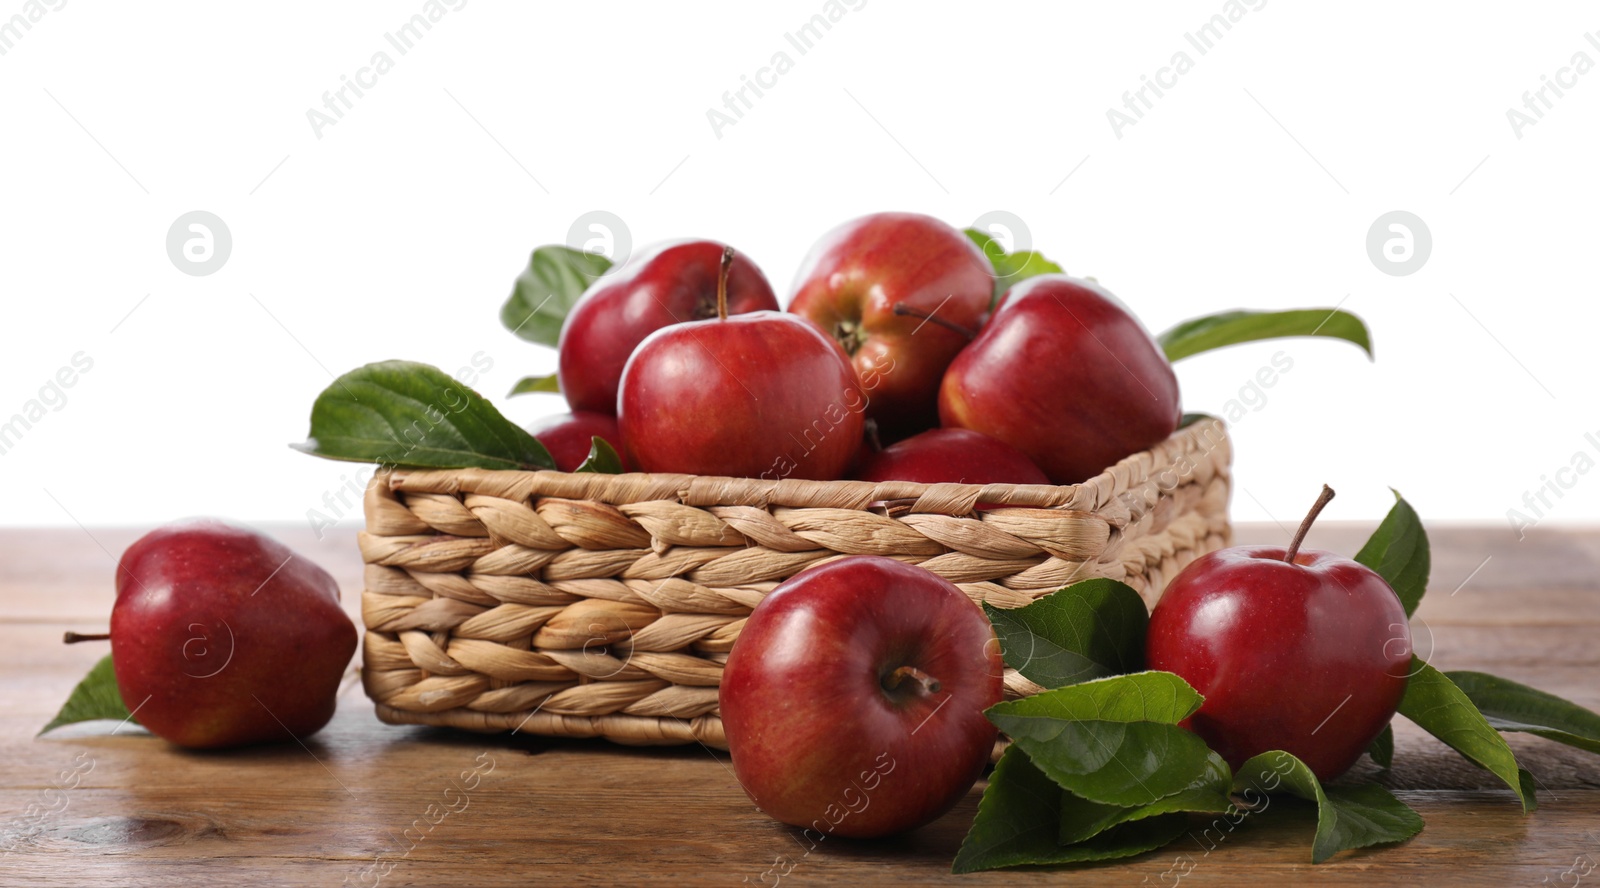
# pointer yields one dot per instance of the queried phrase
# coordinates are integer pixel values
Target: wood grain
(363, 803)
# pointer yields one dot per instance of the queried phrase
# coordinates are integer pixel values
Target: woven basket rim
(1200, 436)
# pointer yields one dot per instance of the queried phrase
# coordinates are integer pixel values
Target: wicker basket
(605, 605)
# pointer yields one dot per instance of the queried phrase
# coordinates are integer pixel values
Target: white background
(398, 232)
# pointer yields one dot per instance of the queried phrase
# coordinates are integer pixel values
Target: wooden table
(353, 805)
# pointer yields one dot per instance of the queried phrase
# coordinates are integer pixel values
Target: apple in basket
(1066, 374)
(757, 395)
(902, 293)
(956, 456)
(669, 284)
(853, 700)
(569, 436)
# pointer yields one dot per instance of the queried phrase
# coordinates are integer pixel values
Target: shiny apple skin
(956, 456)
(813, 732)
(569, 436)
(848, 286)
(667, 284)
(757, 395)
(1066, 374)
(220, 638)
(1311, 657)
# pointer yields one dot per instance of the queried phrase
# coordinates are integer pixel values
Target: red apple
(569, 436)
(851, 284)
(1299, 650)
(221, 636)
(668, 284)
(1066, 374)
(758, 395)
(853, 700)
(958, 456)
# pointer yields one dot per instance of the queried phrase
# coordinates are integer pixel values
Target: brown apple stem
(722, 283)
(873, 439)
(1305, 526)
(75, 637)
(930, 685)
(904, 310)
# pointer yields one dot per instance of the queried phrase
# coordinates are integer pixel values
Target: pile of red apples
(894, 361)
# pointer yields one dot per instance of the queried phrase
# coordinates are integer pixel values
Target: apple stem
(930, 685)
(1305, 526)
(902, 309)
(876, 442)
(75, 637)
(722, 283)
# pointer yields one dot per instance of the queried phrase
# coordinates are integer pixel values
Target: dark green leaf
(1509, 706)
(1234, 327)
(1016, 825)
(1347, 816)
(97, 697)
(400, 413)
(1190, 419)
(1082, 819)
(1398, 551)
(547, 289)
(602, 459)
(1382, 749)
(1115, 740)
(530, 384)
(1016, 821)
(1088, 630)
(1362, 815)
(1434, 702)
(1010, 268)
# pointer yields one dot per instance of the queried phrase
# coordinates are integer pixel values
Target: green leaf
(547, 289)
(1434, 702)
(1234, 327)
(530, 384)
(1088, 630)
(1382, 749)
(1016, 825)
(399, 413)
(1082, 819)
(1398, 551)
(95, 697)
(1509, 706)
(602, 459)
(1189, 419)
(1347, 816)
(1115, 740)
(1010, 268)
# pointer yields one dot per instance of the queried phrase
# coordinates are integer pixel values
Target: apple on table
(222, 636)
(853, 700)
(1294, 649)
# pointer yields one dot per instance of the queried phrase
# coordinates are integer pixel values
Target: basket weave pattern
(605, 605)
